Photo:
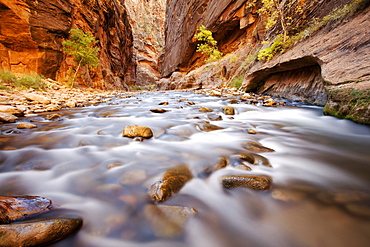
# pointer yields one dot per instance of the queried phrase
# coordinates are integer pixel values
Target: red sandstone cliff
(31, 33)
(323, 67)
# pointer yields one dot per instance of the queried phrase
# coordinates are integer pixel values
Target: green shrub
(237, 82)
(7, 77)
(33, 80)
(208, 45)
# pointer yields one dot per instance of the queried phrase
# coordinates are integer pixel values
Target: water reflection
(320, 172)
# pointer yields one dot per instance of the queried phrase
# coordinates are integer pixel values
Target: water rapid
(320, 172)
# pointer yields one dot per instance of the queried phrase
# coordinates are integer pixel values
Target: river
(320, 171)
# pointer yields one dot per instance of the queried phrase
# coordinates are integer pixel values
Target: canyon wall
(31, 35)
(328, 66)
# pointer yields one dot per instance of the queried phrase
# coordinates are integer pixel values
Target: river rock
(228, 110)
(163, 103)
(158, 110)
(205, 109)
(25, 125)
(254, 182)
(168, 221)
(210, 127)
(8, 118)
(213, 117)
(37, 98)
(17, 207)
(137, 131)
(255, 159)
(170, 183)
(256, 147)
(38, 232)
(208, 170)
(11, 110)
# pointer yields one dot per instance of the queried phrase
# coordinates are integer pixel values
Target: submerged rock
(254, 182)
(210, 127)
(170, 183)
(38, 232)
(137, 131)
(256, 147)
(168, 221)
(18, 207)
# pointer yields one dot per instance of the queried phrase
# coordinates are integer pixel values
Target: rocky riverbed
(203, 168)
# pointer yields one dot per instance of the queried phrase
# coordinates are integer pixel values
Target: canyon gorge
(150, 44)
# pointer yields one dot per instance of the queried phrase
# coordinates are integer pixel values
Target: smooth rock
(11, 110)
(53, 116)
(256, 147)
(163, 103)
(170, 183)
(137, 131)
(228, 110)
(213, 117)
(205, 109)
(37, 98)
(17, 207)
(210, 127)
(8, 118)
(254, 182)
(38, 232)
(158, 110)
(25, 125)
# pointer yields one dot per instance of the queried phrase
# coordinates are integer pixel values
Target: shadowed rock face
(29, 43)
(331, 60)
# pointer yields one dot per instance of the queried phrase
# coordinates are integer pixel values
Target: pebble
(25, 125)
(254, 182)
(157, 110)
(205, 109)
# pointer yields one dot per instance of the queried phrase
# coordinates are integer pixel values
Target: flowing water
(320, 172)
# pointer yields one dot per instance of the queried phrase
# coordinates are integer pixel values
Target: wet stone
(39, 232)
(53, 116)
(26, 125)
(18, 207)
(213, 117)
(256, 147)
(251, 131)
(133, 131)
(191, 103)
(170, 183)
(210, 127)
(254, 182)
(205, 109)
(163, 103)
(168, 221)
(228, 110)
(8, 118)
(157, 110)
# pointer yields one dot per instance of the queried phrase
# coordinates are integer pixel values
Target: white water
(321, 173)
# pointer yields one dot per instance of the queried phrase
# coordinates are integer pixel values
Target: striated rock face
(147, 18)
(322, 68)
(31, 35)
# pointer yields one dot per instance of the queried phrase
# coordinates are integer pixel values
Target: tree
(208, 45)
(82, 47)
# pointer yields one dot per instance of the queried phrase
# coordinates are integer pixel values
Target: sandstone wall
(338, 52)
(31, 33)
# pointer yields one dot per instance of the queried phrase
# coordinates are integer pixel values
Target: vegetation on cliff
(82, 46)
(208, 45)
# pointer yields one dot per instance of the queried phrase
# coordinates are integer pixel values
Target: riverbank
(16, 103)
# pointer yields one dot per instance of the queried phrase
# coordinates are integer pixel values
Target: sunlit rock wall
(31, 35)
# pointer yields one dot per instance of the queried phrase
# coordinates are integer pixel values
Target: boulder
(137, 131)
